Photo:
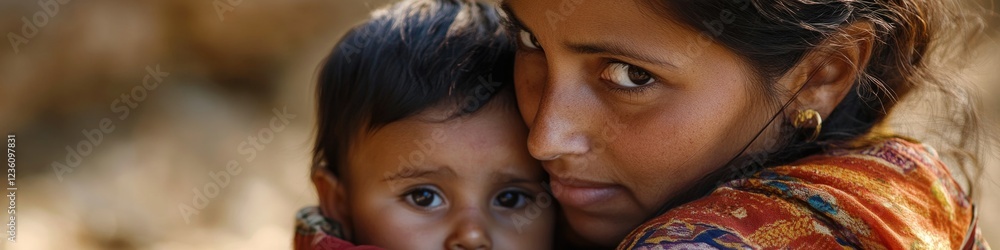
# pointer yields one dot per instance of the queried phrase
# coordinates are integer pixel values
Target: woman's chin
(600, 230)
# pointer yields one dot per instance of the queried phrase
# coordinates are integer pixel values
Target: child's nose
(471, 233)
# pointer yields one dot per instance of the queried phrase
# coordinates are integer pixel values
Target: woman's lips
(582, 194)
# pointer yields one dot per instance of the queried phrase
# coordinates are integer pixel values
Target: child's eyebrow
(416, 172)
(507, 177)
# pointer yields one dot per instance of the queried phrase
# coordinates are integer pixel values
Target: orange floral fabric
(896, 194)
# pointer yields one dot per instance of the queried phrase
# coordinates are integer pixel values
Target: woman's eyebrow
(616, 49)
(600, 48)
(505, 7)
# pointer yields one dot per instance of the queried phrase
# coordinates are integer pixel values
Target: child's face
(467, 183)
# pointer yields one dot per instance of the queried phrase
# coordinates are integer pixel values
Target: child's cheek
(533, 228)
(392, 226)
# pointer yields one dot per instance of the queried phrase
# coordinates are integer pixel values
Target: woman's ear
(332, 198)
(827, 73)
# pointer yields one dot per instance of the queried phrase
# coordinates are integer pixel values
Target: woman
(743, 123)
(738, 123)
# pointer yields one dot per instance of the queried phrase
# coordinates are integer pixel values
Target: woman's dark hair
(411, 56)
(918, 44)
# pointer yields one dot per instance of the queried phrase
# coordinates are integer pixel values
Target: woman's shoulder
(892, 194)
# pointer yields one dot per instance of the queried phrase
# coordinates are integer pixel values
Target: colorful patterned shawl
(894, 195)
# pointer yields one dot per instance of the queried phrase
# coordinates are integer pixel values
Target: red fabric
(315, 231)
(320, 241)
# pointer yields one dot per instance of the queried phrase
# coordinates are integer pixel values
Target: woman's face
(626, 109)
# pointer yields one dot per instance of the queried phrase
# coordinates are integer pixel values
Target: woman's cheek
(530, 72)
(658, 144)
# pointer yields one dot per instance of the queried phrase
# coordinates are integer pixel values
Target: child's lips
(582, 194)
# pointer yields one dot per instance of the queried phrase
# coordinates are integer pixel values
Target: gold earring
(808, 119)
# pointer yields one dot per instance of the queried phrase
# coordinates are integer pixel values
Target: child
(420, 144)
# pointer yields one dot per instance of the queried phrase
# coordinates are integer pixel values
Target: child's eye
(528, 40)
(511, 199)
(424, 198)
(627, 76)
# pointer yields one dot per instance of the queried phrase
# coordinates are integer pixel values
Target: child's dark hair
(410, 56)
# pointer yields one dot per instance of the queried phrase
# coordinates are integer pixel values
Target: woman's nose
(560, 124)
(471, 233)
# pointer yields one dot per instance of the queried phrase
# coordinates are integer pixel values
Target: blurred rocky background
(225, 66)
(230, 64)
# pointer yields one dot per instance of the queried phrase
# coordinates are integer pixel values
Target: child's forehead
(453, 118)
(487, 129)
(469, 107)
(490, 143)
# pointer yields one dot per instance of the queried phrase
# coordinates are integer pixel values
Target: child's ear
(332, 198)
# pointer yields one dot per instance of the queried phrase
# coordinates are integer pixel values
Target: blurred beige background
(226, 76)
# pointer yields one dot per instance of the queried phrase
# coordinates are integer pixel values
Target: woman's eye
(511, 200)
(626, 75)
(424, 198)
(528, 40)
